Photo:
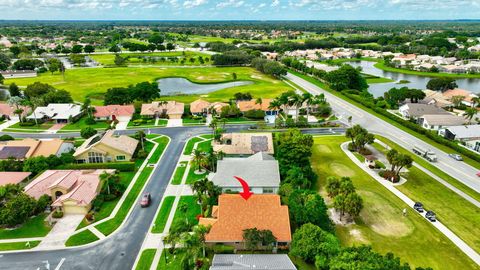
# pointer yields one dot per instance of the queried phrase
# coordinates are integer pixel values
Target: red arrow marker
(246, 189)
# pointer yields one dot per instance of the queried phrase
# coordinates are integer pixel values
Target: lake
(176, 86)
(418, 82)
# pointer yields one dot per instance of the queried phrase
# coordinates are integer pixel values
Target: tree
(333, 186)
(310, 241)
(115, 48)
(77, 48)
(33, 103)
(17, 209)
(4, 61)
(37, 89)
(2, 79)
(353, 204)
(89, 48)
(156, 39)
(145, 91)
(112, 184)
(359, 136)
(457, 100)
(140, 135)
(35, 165)
(118, 95)
(441, 84)
(87, 132)
(86, 107)
(198, 159)
(470, 113)
(254, 238)
(17, 102)
(398, 161)
(14, 90)
(170, 46)
(57, 96)
(294, 149)
(54, 65)
(346, 77)
(307, 206)
(234, 76)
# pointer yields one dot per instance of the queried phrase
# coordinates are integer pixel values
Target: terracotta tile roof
(122, 143)
(234, 214)
(171, 107)
(6, 109)
(12, 177)
(245, 143)
(247, 105)
(37, 147)
(199, 105)
(459, 92)
(117, 110)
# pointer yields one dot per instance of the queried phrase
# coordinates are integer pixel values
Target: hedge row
(120, 166)
(415, 127)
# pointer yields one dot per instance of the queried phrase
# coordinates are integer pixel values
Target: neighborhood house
(163, 109)
(106, 148)
(262, 175)
(252, 261)
(467, 135)
(13, 177)
(244, 143)
(72, 191)
(60, 113)
(27, 148)
(234, 214)
(203, 107)
(438, 121)
(114, 112)
(8, 112)
(416, 110)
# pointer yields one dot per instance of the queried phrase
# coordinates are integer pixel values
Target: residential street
(459, 170)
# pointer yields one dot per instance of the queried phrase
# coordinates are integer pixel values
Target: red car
(146, 199)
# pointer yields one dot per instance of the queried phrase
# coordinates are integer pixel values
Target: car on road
(146, 199)
(418, 206)
(456, 157)
(430, 215)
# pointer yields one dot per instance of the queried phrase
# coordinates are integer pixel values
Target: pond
(176, 86)
(418, 82)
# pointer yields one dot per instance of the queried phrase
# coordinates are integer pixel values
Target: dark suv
(418, 206)
(430, 215)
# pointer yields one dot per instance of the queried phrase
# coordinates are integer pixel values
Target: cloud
(275, 3)
(194, 3)
(230, 3)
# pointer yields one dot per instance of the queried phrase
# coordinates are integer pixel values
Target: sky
(239, 9)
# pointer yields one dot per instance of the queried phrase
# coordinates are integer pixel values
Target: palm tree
(16, 101)
(201, 231)
(275, 104)
(309, 100)
(86, 106)
(183, 207)
(457, 100)
(140, 135)
(213, 125)
(200, 188)
(33, 103)
(198, 158)
(475, 101)
(470, 113)
(259, 101)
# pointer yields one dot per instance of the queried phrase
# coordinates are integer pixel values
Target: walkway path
(442, 228)
(55, 128)
(61, 231)
(7, 124)
(175, 123)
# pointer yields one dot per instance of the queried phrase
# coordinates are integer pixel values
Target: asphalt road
(459, 170)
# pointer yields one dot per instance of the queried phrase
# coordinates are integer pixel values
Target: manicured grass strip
(163, 214)
(189, 148)
(173, 262)
(77, 126)
(207, 136)
(107, 207)
(111, 225)
(33, 227)
(381, 223)
(162, 144)
(427, 165)
(422, 137)
(146, 259)
(192, 212)
(18, 245)
(192, 176)
(43, 126)
(179, 172)
(205, 146)
(81, 238)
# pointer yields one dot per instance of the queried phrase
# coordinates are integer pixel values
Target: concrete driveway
(61, 231)
(121, 125)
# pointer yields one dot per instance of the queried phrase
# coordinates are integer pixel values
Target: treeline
(144, 91)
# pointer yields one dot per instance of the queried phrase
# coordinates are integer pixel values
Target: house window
(120, 158)
(94, 157)
(267, 190)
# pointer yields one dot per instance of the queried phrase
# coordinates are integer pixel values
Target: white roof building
(61, 112)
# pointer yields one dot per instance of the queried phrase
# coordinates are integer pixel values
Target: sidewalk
(7, 124)
(442, 228)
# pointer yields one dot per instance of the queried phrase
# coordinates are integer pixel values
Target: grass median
(193, 210)
(18, 245)
(146, 259)
(179, 172)
(81, 238)
(163, 214)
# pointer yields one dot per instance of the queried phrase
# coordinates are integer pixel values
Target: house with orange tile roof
(27, 148)
(163, 109)
(8, 111)
(234, 214)
(72, 191)
(244, 143)
(202, 107)
(114, 112)
(13, 177)
(247, 105)
(467, 95)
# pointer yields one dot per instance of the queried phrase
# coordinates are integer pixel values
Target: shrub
(27, 124)
(6, 138)
(351, 147)
(254, 114)
(90, 121)
(120, 166)
(142, 154)
(223, 249)
(87, 132)
(57, 214)
(138, 122)
(379, 165)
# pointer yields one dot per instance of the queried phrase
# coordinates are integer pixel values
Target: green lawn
(162, 144)
(18, 245)
(379, 80)
(146, 259)
(34, 227)
(77, 126)
(442, 147)
(134, 58)
(93, 82)
(163, 213)
(190, 144)
(172, 262)
(381, 223)
(42, 127)
(192, 176)
(456, 213)
(205, 146)
(193, 210)
(179, 172)
(150, 123)
(81, 238)
(107, 207)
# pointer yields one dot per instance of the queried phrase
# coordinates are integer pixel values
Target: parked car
(418, 206)
(430, 215)
(146, 199)
(456, 157)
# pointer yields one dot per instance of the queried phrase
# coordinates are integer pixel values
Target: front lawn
(146, 259)
(163, 214)
(190, 144)
(18, 245)
(77, 126)
(192, 212)
(34, 227)
(205, 146)
(43, 126)
(179, 172)
(81, 238)
(192, 176)
(381, 223)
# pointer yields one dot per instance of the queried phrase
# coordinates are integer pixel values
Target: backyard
(381, 223)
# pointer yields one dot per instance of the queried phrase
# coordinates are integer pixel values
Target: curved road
(119, 250)
(459, 170)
